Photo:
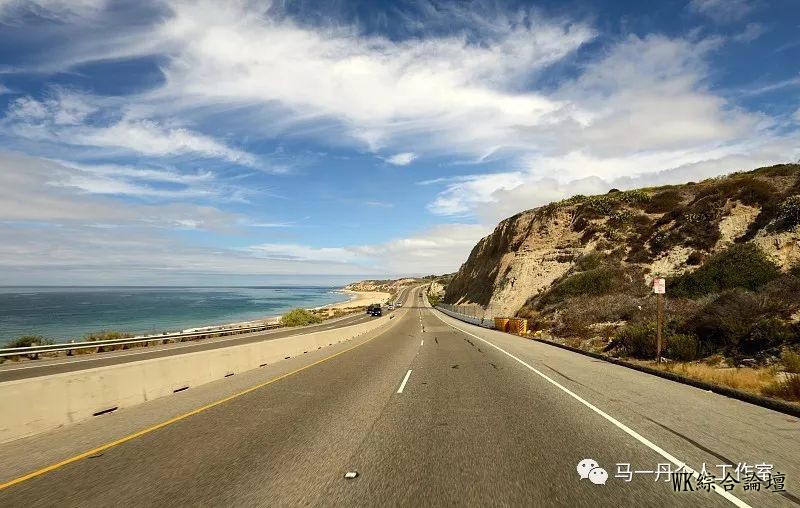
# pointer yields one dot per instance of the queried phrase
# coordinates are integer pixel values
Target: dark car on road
(375, 310)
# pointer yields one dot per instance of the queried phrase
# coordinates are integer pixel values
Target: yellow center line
(163, 424)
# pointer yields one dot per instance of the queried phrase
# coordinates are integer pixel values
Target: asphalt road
(432, 412)
(10, 371)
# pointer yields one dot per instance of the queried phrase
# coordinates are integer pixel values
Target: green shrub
(664, 202)
(788, 214)
(764, 333)
(695, 258)
(633, 197)
(300, 317)
(107, 335)
(778, 170)
(434, 300)
(791, 361)
(621, 218)
(740, 266)
(682, 347)
(753, 192)
(28, 341)
(738, 321)
(596, 207)
(637, 340)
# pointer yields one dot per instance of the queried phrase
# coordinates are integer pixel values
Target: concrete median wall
(31, 406)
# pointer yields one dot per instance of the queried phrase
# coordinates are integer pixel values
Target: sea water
(64, 313)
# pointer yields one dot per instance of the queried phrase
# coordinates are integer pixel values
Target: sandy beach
(360, 299)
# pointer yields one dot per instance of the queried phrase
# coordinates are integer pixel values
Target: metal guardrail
(473, 314)
(70, 346)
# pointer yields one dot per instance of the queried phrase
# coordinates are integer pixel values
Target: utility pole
(659, 288)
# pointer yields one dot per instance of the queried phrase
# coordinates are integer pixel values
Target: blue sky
(256, 142)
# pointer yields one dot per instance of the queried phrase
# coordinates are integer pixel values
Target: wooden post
(659, 288)
(660, 310)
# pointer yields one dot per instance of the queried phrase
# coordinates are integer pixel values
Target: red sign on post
(659, 286)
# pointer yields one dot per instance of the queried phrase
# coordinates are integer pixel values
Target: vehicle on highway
(375, 310)
(390, 307)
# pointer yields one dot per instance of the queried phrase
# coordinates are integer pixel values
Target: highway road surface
(428, 412)
(10, 371)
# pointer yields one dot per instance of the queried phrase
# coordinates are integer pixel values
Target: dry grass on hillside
(759, 381)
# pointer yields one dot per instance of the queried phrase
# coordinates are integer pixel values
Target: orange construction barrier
(501, 323)
(518, 326)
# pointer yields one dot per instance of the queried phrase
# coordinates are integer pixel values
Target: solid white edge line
(405, 380)
(422, 342)
(730, 497)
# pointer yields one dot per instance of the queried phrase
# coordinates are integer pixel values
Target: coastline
(358, 299)
(281, 299)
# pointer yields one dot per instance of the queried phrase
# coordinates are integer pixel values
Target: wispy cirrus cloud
(520, 108)
(722, 11)
(73, 119)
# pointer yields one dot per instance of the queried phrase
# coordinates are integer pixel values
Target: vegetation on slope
(300, 317)
(728, 247)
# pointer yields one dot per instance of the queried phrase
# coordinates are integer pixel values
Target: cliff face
(386, 286)
(665, 230)
(524, 254)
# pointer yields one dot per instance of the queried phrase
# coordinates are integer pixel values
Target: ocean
(63, 313)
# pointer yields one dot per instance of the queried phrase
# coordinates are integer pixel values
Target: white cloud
(36, 190)
(64, 117)
(74, 254)
(722, 11)
(296, 252)
(401, 159)
(444, 92)
(54, 9)
(778, 85)
(439, 249)
(751, 32)
(149, 138)
(526, 189)
(642, 110)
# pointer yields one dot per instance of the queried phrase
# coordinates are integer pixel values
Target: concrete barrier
(486, 323)
(31, 406)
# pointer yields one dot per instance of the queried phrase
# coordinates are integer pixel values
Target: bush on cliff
(739, 321)
(740, 266)
(593, 275)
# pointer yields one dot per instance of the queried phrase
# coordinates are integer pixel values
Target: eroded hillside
(663, 230)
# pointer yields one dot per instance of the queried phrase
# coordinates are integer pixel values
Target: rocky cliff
(386, 286)
(665, 230)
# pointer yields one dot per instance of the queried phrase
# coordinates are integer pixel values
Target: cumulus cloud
(401, 159)
(643, 111)
(498, 198)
